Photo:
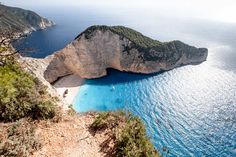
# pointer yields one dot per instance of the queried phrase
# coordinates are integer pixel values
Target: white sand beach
(71, 83)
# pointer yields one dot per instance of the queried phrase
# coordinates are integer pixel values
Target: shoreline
(71, 84)
(26, 33)
(19, 35)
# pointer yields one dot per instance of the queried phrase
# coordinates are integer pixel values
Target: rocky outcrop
(121, 48)
(16, 22)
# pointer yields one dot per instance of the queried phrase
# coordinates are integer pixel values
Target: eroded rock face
(57, 67)
(92, 52)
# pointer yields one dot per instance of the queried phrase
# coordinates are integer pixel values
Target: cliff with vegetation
(101, 47)
(33, 122)
(15, 22)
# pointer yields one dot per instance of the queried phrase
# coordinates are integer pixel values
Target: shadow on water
(118, 77)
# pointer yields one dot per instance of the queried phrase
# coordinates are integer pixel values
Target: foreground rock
(15, 22)
(121, 48)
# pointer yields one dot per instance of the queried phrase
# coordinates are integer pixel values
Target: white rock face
(90, 58)
(45, 23)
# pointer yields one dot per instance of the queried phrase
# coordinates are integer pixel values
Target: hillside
(15, 22)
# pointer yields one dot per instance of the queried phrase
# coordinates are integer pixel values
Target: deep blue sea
(190, 110)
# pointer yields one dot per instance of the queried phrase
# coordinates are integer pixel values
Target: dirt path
(70, 138)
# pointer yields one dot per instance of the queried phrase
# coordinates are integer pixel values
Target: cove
(180, 112)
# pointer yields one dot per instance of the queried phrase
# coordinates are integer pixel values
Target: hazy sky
(219, 10)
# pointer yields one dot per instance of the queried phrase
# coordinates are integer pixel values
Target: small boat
(112, 88)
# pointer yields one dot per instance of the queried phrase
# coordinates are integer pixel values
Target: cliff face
(15, 22)
(121, 48)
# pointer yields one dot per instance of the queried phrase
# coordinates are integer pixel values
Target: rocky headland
(101, 47)
(17, 22)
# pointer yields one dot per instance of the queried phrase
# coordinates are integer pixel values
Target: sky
(217, 10)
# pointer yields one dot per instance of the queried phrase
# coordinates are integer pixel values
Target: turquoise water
(189, 110)
(186, 110)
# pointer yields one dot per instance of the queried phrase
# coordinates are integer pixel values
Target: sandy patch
(71, 83)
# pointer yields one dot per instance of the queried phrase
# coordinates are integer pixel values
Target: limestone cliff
(121, 48)
(15, 22)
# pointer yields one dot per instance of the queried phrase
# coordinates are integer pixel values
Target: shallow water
(188, 110)
(191, 110)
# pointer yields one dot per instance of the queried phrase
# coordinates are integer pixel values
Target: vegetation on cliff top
(134, 36)
(21, 94)
(128, 133)
(17, 20)
(149, 49)
(23, 98)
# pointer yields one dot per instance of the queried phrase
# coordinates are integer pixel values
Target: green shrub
(128, 132)
(21, 95)
(43, 109)
(20, 141)
(137, 38)
(100, 122)
(3, 49)
(131, 140)
(106, 120)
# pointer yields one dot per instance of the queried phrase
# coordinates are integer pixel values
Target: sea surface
(188, 111)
